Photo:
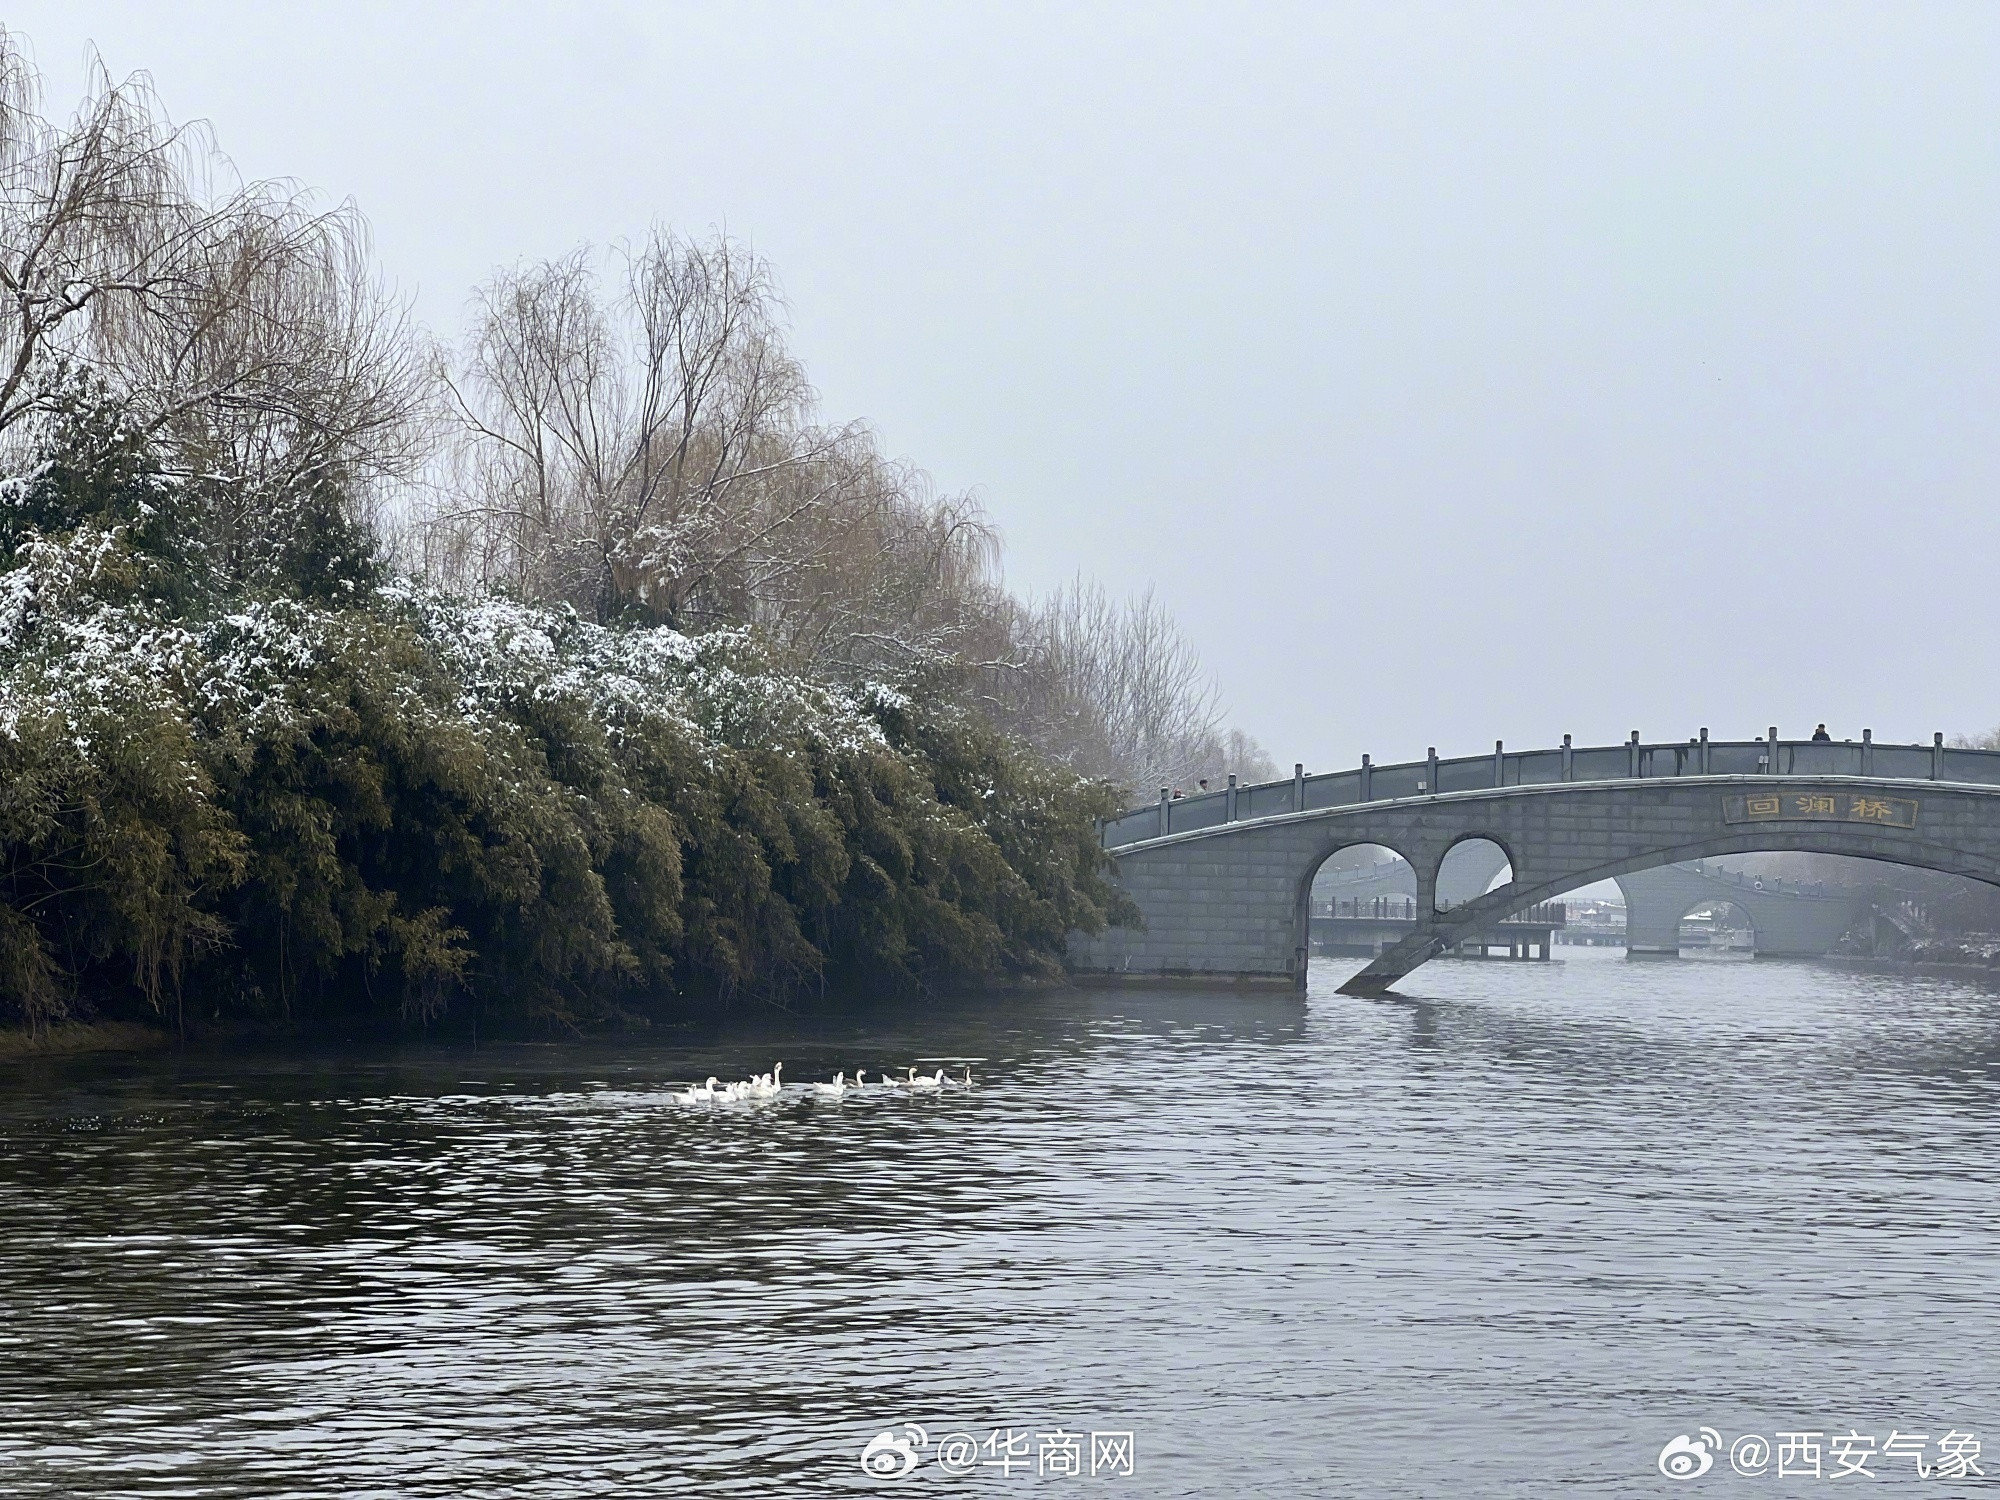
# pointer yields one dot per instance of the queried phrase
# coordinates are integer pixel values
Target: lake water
(1506, 1235)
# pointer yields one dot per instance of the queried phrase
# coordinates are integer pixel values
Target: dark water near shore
(1505, 1236)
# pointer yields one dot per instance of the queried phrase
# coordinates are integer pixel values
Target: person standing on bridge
(1821, 734)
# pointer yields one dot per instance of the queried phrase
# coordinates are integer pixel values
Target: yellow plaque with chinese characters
(1795, 805)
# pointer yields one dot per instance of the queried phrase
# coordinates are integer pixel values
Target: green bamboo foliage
(231, 794)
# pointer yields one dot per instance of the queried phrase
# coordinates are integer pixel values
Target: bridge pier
(1652, 919)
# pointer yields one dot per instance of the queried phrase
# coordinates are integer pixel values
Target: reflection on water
(1506, 1234)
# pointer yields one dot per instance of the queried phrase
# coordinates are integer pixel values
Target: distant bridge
(1788, 918)
(1224, 881)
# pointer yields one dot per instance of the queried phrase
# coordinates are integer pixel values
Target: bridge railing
(1404, 909)
(1778, 885)
(1370, 908)
(1700, 756)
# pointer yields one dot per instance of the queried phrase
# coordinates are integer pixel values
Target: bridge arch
(1318, 871)
(1302, 901)
(1716, 904)
(1475, 871)
(1364, 913)
(1317, 860)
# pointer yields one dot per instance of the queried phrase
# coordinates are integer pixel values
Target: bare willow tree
(291, 370)
(655, 452)
(617, 454)
(235, 323)
(1115, 688)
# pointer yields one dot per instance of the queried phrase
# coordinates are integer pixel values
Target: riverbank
(71, 1037)
(1965, 968)
(694, 1021)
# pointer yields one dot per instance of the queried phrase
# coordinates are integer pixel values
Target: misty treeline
(349, 675)
(628, 435)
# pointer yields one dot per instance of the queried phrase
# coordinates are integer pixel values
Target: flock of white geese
(772, 1085)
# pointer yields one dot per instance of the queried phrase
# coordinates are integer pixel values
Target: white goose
(932, 1084)
(699, 1094)
(961, 1083)
(835, 1090)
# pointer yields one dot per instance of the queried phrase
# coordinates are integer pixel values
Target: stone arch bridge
(1223, 881)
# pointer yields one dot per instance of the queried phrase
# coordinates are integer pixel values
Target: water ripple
(1508, 1233)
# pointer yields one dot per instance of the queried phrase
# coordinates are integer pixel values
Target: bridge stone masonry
(1223, 882)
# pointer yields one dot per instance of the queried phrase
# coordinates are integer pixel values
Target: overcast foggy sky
(1455, 373)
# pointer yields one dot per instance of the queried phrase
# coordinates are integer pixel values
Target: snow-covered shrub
(225, 794)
